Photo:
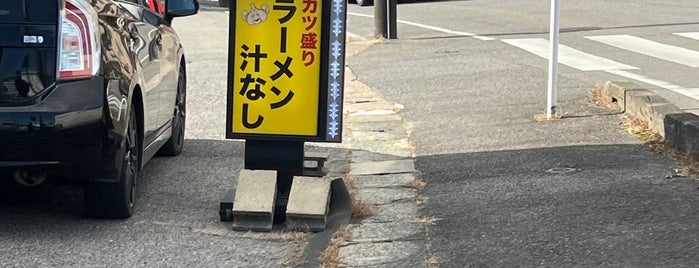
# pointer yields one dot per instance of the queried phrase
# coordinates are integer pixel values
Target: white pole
(553, 60)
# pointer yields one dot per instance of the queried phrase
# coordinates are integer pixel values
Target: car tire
(224, 3)
(117, 199)
(174, 145)
(363, 3)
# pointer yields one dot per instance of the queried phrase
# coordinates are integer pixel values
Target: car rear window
(29, 11)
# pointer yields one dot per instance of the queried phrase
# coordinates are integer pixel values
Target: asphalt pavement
(508, 190)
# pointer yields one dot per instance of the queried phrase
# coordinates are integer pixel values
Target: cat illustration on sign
(256, 16)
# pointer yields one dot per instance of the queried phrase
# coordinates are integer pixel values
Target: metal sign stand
(285, 157)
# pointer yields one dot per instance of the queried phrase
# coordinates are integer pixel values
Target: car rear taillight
(78, 49)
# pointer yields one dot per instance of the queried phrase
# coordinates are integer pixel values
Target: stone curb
(678, 128)
(382, 164)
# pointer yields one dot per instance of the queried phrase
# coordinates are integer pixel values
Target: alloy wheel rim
(132, 160)
(180, 110)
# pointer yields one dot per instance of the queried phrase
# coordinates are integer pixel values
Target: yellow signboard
(276, 72)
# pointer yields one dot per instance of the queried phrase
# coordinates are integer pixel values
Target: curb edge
(677, 127)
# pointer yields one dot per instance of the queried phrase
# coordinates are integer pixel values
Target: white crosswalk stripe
(651, 48)
(690, 92)
(568, 56)
(647, 80)
(693, 35)
(587, 62)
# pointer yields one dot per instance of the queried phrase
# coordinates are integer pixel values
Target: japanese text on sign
(277, 70)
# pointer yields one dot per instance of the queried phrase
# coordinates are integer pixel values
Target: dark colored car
(363, 3)
(90, 90)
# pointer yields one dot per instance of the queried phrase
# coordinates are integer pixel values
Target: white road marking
(353, 36)
(568, 56)
(587, 62)
(360, 15)
(647, 80)
(434, 28)
(689, 92)
(693, 35)
(654, 49)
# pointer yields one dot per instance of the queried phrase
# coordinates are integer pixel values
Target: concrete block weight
(308, 204)
(253, 208)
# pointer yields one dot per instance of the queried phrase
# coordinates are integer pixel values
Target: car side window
(157, 6)
(152, 19)
(146, 10)
(155, 13)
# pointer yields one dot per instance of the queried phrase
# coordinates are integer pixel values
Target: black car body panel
(76, 128)
(56, 134)
(27, 49)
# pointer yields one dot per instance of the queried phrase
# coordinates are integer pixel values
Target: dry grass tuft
(299, 238)
(360, 209)
(432, 262)
(639, 129)
(544, 117)
(417, 184)
(294, 256)
(632, 125)
(597, 97)
(687, 164)
(331, 256)
(430, 221)
(421, 200)
(272, 236)
(213, 232)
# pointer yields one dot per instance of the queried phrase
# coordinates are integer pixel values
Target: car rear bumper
(64, 134)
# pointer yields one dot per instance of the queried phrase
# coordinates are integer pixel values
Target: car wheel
(363, 3)
(175, 144)
(224, 3)
(116, 200)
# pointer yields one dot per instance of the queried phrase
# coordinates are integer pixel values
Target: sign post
(285, 81)
(385, 19)
(553, 61)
